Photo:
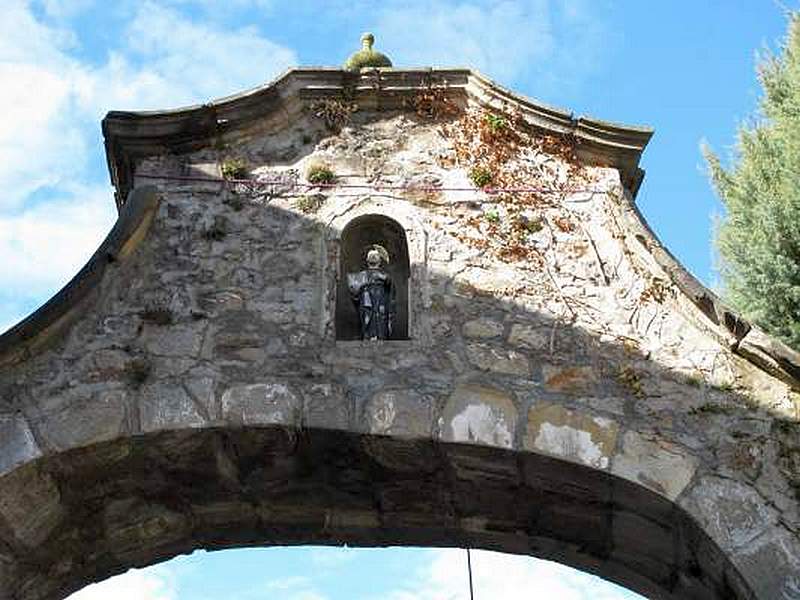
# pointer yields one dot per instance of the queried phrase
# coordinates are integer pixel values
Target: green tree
(758, 239)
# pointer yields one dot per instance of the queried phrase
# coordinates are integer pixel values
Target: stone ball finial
(367, 57)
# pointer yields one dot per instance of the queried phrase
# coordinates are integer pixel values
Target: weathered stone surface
(528, 336)
(659, 465)
(17, 445)
(174, 340)
(482, 328)
(261, 404)
(326, 407)
(732, 512)
(30, 504)
(479, 414)
(85, 416)
(573, 436)
(168, 406)
(216, 325)
(133, 525)
(403, 413)
(571, 380)
(774, 558)
(498, 360)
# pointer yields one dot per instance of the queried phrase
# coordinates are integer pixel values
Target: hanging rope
(469, 572)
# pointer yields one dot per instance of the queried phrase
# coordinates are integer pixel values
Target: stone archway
(596, 406)
(149, 498)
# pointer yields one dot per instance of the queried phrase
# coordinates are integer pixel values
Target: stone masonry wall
(577, 346)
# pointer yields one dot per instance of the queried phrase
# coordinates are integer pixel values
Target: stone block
(17, 445)
(134, 528)
(261, 404)
(168, 406)
(84, 416)
(731, 512)
(174, 340)
(771, 565)
(480, 415)
(527, 336)
(656, 464)
(30, 503)
(571, 435)
(482, 328)
(403, 413)
(569, 380)
(326, 407)
(498, 360)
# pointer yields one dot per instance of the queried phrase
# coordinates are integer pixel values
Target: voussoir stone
(571, 435)
(480, 414)
(168, 406)
(261, 404)
(30, 503)
(399, 412)
(663, 467)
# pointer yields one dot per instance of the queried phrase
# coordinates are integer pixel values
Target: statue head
(377, 256)
(373, 259)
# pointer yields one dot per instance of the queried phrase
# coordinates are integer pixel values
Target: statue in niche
(373, 295)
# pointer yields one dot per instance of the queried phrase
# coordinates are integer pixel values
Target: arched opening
(359, 235)
(138, 501)
(339, 572)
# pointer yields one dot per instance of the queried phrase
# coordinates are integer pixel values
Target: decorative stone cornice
(130, 136)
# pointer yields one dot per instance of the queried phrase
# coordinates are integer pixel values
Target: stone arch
(151, 497)
(368, 216)
(361, 233)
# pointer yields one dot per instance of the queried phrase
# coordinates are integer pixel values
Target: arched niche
(361, 233)
(350, 226)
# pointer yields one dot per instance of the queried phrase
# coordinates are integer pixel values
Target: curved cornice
(130, 136)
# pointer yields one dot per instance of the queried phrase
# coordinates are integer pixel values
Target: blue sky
(684, 67)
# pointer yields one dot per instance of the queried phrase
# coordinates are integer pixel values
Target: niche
(359, 235)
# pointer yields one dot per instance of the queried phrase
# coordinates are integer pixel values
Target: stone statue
(373, 295)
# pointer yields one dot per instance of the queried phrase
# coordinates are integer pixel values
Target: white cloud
(50, 241)
(154, 583)
(546, 39)
(498, 38)
(50, 112)
(506, 576)
(60, 9)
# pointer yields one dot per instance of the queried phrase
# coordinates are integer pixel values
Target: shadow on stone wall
(195, 403)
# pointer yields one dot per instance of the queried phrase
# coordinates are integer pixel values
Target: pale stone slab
(659, 465)
(402, 413)
(571, 435)
(261, 404)
(168, 406)
(84, 417)
(481, 415)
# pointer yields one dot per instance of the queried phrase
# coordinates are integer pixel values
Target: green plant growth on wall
(320, 174)
(480, 176)
(234, 168)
